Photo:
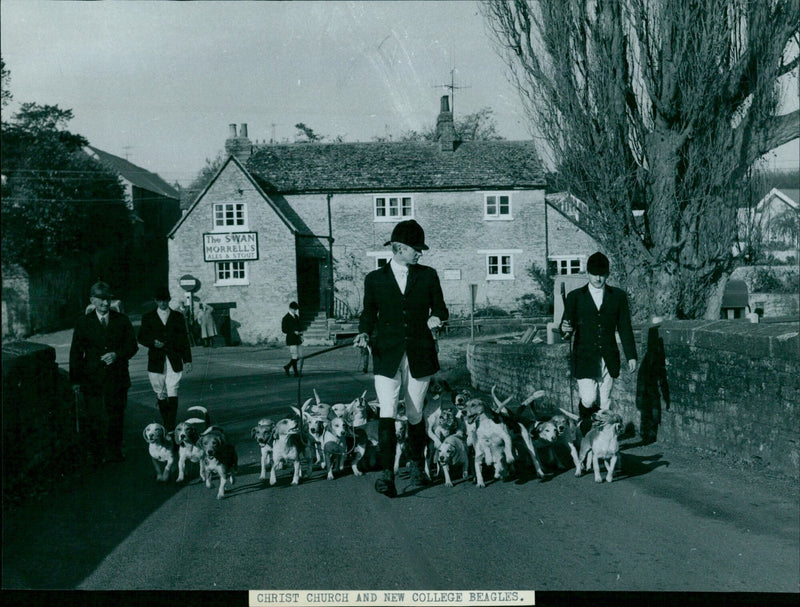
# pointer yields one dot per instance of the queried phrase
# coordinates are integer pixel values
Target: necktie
(104, 321)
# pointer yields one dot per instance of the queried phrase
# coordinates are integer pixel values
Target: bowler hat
(410, 233)
(597, 265)
(294, 305)
(101, 290)
(162, 294)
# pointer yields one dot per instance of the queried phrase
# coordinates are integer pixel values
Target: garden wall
(726, 386)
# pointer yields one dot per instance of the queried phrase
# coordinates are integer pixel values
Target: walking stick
(347, 342)
(77, 412)
(569, 362)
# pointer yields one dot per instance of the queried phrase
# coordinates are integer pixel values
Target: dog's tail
(199, 415)
(570, 414)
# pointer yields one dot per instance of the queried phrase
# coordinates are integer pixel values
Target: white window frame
(500, 254)
(387, 205)
(565, 261)
(497, 215)
(242, 267)
(378, 256)
(223, 226)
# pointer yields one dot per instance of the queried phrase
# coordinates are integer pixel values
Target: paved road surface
(673, 521)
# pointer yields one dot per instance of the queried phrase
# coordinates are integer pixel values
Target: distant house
(156, 208)
(769, 219)
(267, 227)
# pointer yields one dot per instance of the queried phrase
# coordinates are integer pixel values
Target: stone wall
(727, 386)
(272, 278)
(40, 440)
(456, 231)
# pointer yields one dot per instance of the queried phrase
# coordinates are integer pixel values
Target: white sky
(160, 81)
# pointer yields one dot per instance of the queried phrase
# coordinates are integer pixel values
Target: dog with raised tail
(601, 443)
(186, 436)
(161, 448)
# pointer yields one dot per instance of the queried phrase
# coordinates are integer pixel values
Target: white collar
(596, 290)
(397, 268)
(100, 317)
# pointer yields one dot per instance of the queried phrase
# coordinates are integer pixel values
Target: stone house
(307, 222)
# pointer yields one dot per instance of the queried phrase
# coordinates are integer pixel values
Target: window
(231, 273)
(229, 215)
(497, 206)
(392, 208)
(500, 264)
(381, 258)
(565, 265)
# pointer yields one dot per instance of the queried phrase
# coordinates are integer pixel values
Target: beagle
(452, 453)
(263, 435)
(186, 435)
(161, 449)
(334, 446)
(490, 439)
(602, 443)
(538, 435)
(288, 447)
(219, 456)
(569, 435)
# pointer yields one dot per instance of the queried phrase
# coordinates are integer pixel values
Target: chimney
(238, 145)
(445, 129)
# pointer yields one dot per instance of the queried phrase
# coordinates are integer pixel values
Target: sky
(159, 82)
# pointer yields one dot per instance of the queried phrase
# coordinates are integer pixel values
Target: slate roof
(135, 174)
(395, 166)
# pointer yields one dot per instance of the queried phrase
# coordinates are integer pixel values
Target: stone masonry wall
(455, 230)
(733, 387)
(272, 278)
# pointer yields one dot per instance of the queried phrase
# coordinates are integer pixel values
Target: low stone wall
(40, 442)
(725, 386)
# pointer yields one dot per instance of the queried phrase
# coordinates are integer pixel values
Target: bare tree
(661, 106)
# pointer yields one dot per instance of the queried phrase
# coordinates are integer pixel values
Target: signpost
(189, 284)
(473, 293)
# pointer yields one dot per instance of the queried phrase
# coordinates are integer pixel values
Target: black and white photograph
(360, 303)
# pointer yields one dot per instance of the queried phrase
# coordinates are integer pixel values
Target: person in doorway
(403, 305)
(163, 333)
(103, 342)
(290, 325)
(208, 328)
(593, 314)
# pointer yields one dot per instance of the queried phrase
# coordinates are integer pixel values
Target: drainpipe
(330, 259)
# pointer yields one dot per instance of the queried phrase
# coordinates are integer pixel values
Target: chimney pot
(232, 131)
(445, 104)
(243, 130)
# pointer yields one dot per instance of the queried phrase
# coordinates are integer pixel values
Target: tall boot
(169, 412)
(387, 443)
(294, 368)
(286, 368)
(163, 408)
(173, 413)
(585, 417)
(417, 440)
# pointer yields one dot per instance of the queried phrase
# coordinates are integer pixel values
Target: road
(672, 521)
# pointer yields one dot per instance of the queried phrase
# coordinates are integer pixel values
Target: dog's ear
(144, 435)
(253, 432)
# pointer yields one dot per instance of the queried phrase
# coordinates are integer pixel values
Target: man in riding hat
(403, 304)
